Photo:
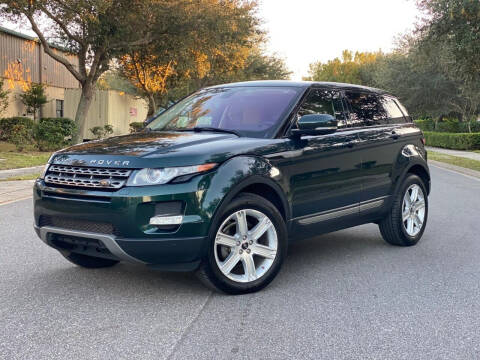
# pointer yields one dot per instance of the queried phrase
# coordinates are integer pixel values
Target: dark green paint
(309, 175)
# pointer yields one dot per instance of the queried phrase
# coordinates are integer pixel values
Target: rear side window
(394, 114)
(365, 109)
(321, 101)
(404, 111)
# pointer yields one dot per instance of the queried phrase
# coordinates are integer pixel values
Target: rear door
(380, 123)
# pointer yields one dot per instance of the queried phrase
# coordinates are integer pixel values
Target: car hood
(158, 149)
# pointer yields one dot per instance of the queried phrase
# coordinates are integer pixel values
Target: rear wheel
(406, 221)
(89, 262)
(246, 248)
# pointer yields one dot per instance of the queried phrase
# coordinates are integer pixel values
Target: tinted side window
(395, 115)
(365, 109)
(404, 111)
(324, 102)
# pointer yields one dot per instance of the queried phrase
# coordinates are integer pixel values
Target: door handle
(394, 135)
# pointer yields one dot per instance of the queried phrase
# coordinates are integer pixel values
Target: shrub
(136, 126)
(457, 141)
(474, 126)
(7, 127)
(54, 133)
(102, 132)
(33, 98)
(425, 124)
(21, 136)
(449, 125)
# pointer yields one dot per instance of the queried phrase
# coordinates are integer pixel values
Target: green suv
(222, 181)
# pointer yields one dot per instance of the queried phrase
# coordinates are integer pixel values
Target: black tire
(88, 262)
(209, 272)
(391, 227)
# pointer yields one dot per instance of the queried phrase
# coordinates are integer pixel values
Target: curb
(458, 153)
(458, 169)
(5, 174)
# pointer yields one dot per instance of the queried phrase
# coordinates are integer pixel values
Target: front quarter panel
(231, 177)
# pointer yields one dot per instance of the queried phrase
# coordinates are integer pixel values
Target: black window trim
(360, 91)
(291, 118)
(346, 109)
(407, 116)
(394, 99)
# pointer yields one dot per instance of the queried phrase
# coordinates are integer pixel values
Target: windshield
(249, 111)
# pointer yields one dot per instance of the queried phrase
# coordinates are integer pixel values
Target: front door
(323, 170)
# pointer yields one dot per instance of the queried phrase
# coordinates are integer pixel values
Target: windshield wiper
(212, 129)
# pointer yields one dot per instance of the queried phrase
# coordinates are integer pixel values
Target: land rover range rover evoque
(221, 182)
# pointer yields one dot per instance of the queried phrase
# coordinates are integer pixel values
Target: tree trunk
(152, 106)
(82, 111)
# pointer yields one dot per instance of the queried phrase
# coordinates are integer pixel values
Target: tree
(33, 98)
(214, 52)
(3, 97)
(452, 27)
(96, 31)
(148, 75)
(350, 68)
(259, 66)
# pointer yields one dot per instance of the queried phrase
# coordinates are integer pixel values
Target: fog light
(166, 220)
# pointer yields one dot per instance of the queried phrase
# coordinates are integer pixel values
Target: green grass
(10, 158)
(22, 177)
(454, 160)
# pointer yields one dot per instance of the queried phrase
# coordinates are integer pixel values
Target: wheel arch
(267, 189)
(245, 174)
(412, 159)
(422, 173)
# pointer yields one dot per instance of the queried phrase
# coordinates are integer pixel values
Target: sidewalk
(15, 190)
(465, 154)
(5, 174)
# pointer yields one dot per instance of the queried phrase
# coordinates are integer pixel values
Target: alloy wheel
(413, 210)
(246, 245)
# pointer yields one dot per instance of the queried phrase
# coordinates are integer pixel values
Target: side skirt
(338, 219)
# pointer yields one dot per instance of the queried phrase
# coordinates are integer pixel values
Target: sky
(304, 31)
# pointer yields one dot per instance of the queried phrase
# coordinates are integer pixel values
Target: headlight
(162, 176)
(44, 171)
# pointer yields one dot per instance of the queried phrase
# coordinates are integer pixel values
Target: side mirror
(316, 124)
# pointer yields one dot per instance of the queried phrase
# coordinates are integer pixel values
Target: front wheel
(406, 221)
(247, 245)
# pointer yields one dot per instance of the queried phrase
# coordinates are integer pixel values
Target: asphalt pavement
(345, 295)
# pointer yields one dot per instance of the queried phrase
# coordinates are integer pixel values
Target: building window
(59, 108)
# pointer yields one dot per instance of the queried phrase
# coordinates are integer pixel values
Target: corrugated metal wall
(25, 59)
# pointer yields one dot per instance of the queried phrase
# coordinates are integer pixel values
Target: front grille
(78, 225)
(87, 177)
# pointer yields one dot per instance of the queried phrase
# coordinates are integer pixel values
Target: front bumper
(163, 254)
(128, 210)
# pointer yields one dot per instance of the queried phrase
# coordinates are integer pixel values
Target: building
(110, 107)
(22, 61)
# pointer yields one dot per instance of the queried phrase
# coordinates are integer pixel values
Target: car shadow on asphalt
(321, 252)
(354, 241)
